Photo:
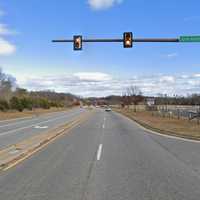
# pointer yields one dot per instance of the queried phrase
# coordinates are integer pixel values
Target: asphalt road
(13, 131)
(108, 157)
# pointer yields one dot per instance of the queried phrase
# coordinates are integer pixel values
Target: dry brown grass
(171, 126)
(26, 113)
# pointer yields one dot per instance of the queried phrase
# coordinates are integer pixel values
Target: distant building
(150, 101)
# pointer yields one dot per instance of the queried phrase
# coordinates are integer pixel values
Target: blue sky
(26, 51)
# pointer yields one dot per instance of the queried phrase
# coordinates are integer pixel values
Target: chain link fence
(191, 113)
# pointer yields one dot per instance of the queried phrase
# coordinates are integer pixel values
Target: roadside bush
(27, 103)
(44, 103)
(16, 104)
(56, 104)
(4, 106)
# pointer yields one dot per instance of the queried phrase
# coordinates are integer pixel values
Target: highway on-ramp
(108, 157)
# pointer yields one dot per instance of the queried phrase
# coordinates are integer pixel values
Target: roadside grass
(27, 113)
(170, 126)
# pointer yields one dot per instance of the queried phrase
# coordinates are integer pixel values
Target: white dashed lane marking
(99, 152)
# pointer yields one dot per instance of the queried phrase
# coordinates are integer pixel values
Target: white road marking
(160, 134)
(14, 152)
(104, 119)
(164, 135)
(15, 119)
(41, 127)
(99, 152)
(20, 122)
(32, 118)
(30, 126)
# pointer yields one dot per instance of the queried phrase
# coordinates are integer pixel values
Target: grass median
(164, 125)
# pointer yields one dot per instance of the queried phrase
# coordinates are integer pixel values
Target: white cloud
(103, 4)
(184, 76)
(102, 84)
(167, 79)
(196, 75)
(92, 76)
(4, 30)
(172, 55)
(6, 48)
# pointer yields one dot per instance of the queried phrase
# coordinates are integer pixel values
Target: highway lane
(107, 157)
(13, 131)
(20, 122)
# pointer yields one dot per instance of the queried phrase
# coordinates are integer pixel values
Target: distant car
(108, 109)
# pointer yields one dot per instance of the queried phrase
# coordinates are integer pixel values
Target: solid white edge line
(33, 117)
(15, 119)
(22, 128)
(160, 134)
(167, 136)
(99, 152)
(16, 123)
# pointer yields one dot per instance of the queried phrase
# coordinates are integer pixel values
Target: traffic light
(128, 40)
(77, 42)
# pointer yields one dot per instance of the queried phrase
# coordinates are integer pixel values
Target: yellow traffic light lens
(77, 42)
(128, 39)
(128, 42)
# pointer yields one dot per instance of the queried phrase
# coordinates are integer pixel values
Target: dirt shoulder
(170, 126)
(15, 114)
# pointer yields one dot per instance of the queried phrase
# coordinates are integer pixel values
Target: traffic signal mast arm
(121, 40)
(128, 40)
(156, 40)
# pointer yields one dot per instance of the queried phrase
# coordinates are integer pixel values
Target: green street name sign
(190, 38)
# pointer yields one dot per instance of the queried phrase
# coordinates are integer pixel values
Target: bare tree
(7, 83)
(125, 100)
(133, 95)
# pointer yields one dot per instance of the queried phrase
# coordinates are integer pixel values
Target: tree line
(133, 95)
(14, 98)
(164, 99)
